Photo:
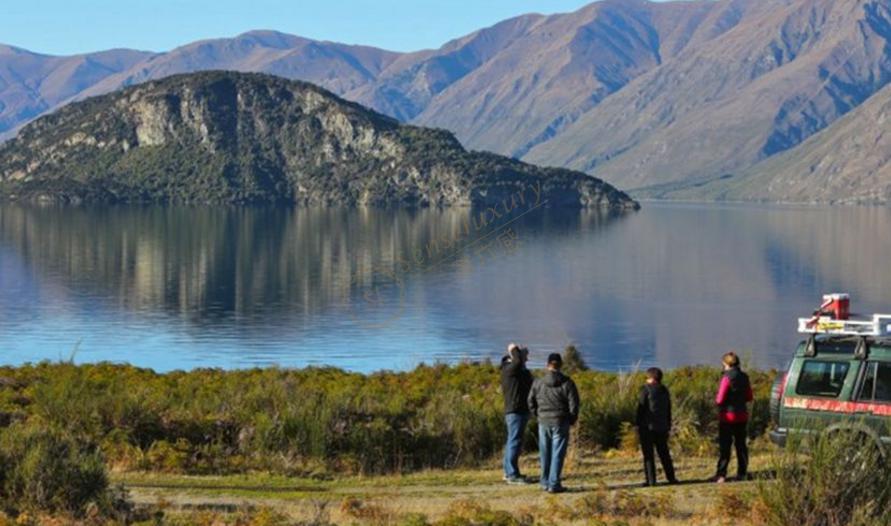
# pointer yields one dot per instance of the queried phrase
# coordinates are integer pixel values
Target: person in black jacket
(554, 400)
(516, 381)
(654, 426)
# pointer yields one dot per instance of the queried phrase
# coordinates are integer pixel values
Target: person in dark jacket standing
(554, 400)
(654, 426)
(516, 382)
(734, 393)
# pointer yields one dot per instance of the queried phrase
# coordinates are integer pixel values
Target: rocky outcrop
(226, 137)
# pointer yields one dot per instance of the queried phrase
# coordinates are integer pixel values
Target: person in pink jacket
(734, 394)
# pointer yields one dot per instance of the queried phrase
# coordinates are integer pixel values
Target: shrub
(573, 361)
(367, 512)
(603, 504)
(833, 480)
(311, 421)
(471, 513)
(692, 432)
(608, 401)
(169, 458)
(265, 516)
(48, 471)
(629, 440)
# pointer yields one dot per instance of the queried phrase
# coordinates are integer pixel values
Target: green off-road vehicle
(839, 379)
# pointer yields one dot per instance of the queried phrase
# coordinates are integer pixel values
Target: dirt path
(436, 493)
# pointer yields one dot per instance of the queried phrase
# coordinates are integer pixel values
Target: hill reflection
(371, 289)
(266, 273)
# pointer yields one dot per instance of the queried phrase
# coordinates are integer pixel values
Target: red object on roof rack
(833, 317)
(837, 305)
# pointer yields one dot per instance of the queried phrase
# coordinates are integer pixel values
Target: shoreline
(630, 369)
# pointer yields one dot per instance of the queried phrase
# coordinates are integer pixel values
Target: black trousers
(659, 440)
(729, 435)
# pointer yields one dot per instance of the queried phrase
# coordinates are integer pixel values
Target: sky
(74, 26)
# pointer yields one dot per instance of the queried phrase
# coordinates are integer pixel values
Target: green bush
(48, 471)
(836, 479)
(607, 401)
(573, 361)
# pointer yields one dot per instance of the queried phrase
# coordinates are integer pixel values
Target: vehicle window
(820, 378)
(877, 382)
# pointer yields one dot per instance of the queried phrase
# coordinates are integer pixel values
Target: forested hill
(227, 137)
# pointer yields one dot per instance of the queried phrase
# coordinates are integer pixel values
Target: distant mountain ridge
(670, 99)
(229, 137)
(32, 84)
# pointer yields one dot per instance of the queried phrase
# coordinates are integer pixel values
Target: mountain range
(727, 99)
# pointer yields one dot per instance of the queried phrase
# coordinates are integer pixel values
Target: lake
(180, 288)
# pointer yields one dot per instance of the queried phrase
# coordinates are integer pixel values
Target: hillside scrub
(324, 420)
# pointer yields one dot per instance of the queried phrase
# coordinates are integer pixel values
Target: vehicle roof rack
(878, 326)
(831, 325)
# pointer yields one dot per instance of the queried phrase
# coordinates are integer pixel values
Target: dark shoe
(557, 489)
(673, 482)
(647, 485)
(518, 481)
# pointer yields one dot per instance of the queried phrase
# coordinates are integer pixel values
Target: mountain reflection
(217, 265)
(367, 289)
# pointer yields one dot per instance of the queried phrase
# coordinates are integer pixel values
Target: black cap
(555, 359)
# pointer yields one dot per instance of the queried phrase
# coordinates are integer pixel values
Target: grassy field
(323, 445)
(315, 447)
(604, 489)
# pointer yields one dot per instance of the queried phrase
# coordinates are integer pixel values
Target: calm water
(173, 288)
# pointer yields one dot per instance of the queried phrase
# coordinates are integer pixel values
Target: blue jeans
(516, 426)
(553, 441)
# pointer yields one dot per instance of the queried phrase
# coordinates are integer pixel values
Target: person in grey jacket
(554, 400)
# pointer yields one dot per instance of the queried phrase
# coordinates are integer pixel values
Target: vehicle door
(817, 392)
(874, 399)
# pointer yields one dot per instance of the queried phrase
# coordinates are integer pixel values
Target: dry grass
(603, 491)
